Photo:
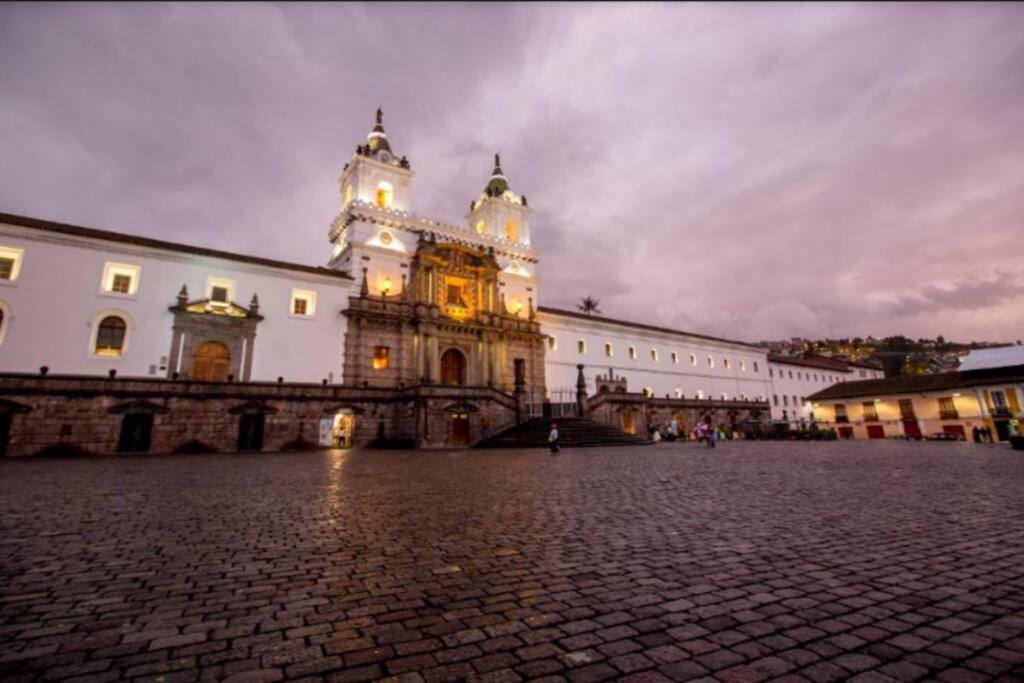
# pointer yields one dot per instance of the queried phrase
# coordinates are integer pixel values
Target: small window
(511, 230)
(120, 278)
(654, 355)
(481, 227)
(725, 363)
(675, 357)
(5, 316)
(870, 413)
(110, 336)
(755, 366)
(385, 194)
(220, 291)
(10, 263)
(454, 295)
(693, 359)
(648, 392)
(303, 303)
(775, 399)
(725, 396)
(771, 373)
(798, 375)
(380, 357)
(711, 362)
(552, 344)
(785, 400)
(679, 392)
(581, 346)
(348, 195)
(219, 295)
(743, 366)
(790, 374)
(700, 393)
(608, 350)
(632, 353)
(743, 397)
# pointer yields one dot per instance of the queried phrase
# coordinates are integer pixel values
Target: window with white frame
(5, 320)
(743, 366)
(220, 291)
(654, 355)
(608, 350)
(693, 359)
(711, 362)
(648, 392)
(120, 278)
(632, 353)
(303, 303)
(725, 396)
(581, 347)
(552, 344)
(675, 358)
(679, 392)
(725, 363)
(10, 263)
(109, 334)
(755, 366)
(700, 393)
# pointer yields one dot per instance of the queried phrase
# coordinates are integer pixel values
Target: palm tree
(588, 305)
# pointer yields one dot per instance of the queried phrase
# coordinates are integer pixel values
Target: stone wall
(609, 409)
(86, 413)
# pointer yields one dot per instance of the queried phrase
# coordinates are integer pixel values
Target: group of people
(704, 432)
(982, 435)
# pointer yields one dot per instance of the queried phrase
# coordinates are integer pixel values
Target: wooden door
(628, 424)
(250, 432)
(211, 362)
(460, 428)
(876, 432)
(845, 432)
(453, 368)
(136, 433)
(912, 429)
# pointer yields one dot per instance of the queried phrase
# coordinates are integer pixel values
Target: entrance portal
(453, 368)
(628, 424)
(136, 433)
(460, 429)
(210, 362)
(344, 428)
(250, 431)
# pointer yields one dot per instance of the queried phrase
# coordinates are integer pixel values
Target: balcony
(842, 419)
(1002, 411)
(949, 415)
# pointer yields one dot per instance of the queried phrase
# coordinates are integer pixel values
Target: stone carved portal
(453, 368)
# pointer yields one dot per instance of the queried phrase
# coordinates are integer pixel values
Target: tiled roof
(919, 384)
(813, 362)
(640, 326)
(122, 238)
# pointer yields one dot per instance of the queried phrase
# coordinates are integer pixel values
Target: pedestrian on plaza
(976, 435)
(553, 438)
(485, 428)
(988, 434)
(712, 436)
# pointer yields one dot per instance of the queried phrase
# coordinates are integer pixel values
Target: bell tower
(375, 175)
(500, 213)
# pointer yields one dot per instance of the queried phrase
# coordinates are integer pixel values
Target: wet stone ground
(757, 561)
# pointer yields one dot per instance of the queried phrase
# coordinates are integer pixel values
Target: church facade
(415, 331)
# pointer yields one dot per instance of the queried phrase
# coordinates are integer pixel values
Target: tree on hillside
(588, 305)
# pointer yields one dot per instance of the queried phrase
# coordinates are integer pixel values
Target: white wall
(792, 383)
(661, 376)
(57, 297)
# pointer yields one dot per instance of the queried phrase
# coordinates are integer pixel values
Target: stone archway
(453, 368)
(211, 362)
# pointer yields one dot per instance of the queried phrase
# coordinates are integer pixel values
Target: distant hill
(898, 355)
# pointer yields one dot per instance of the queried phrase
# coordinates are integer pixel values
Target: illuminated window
(581, 346)
(743, 366)
(511, 230)
(608, 350)
(675, 357)
(654, 355)
(110, 336)
(870, 413)
(10, 263)
(454, 295)
(700, 393)
(648, 391)
(552, 344)
(380, 357)
(725, 363)
(693, 359)
(385, 194)
(303, 303)
(679, 392)
(632, 353)
(120, 278)
(725, 396)
(5, 316)
(348, 194)
(481, 227)
(711, 362)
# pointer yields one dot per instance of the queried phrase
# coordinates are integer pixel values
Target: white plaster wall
(662, 376)
(57, 296)
(800, 381)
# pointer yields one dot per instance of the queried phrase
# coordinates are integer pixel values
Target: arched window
(385, 194)
(481, 227)
(110, 336)
(511, 230)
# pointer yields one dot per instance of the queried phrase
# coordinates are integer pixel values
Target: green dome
(497, 185)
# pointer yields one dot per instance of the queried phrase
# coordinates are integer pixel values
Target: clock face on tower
(385, 157)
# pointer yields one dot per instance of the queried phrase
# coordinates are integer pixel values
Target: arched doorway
(453, 368)
(628, 422)
(210, 362)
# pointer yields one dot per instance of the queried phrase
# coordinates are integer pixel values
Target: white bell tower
(500, 213)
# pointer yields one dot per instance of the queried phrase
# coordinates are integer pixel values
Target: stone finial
(254, 304)
(530, 300)
(364, 291)
(380, 115)
(524, 199)
(183, 296)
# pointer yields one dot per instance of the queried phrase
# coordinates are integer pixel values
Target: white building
(85, 301)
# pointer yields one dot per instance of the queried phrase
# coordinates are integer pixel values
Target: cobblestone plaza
(870, 561)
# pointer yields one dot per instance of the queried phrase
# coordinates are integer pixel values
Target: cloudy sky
(747, 170)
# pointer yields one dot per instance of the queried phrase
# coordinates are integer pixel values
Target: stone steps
(573, 432)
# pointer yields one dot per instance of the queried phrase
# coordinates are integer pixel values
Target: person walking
(712, 435)
(485, 428)
(553, 438)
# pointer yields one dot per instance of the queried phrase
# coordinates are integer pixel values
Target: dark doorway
(876, 432)
(912, 429)
(5, 432)
(1002, 429)
(460, 429)
(845, 432)
(136, 433)
(250, 431)
(453, 368)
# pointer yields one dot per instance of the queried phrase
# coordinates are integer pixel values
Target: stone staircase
(573, 432)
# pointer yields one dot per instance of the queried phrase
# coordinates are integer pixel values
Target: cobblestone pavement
(822, 562)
